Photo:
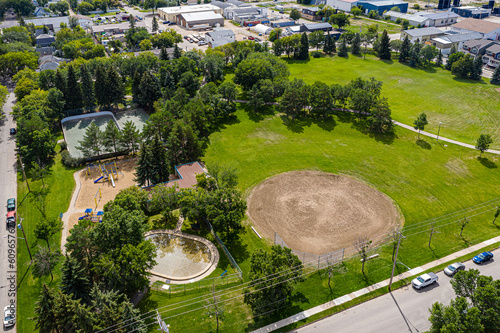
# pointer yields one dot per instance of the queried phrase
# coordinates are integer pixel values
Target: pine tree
(477, 68)
(177, 52)
(88, 95)
(160, 165)
(144, 171)
(164, 54)
(404, 54)
(453, 50)
(154, 26)
(150, 90)
(129, 136)
(439, 60)
(495, 79)
(415, 54)
(60, 82)
(100, 87)
(115, 86)
(91, 143)
(74, 281)
(183, 145)
(356, 44)
(304, 47)
(385, 47)
(326, 46)
(45, 315)
(74, 92)
(343, 48)
(111, 137)
(168, 85)
(136, 92)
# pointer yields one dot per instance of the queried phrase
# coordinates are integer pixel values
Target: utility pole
(24, 172)
(163, 327)
(20, 226)
(395, 259)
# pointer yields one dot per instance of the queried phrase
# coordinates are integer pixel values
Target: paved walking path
(71, 210)
(346, 298)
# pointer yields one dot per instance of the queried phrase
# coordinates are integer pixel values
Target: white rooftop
(201, 16)
(188, 9)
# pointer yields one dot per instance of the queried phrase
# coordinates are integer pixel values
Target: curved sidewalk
(71, 210)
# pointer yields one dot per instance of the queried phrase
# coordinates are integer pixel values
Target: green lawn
(426, 179)
(363, 22)
(51, 201)
(466, 108)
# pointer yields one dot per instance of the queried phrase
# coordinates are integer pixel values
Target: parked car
(11, 219)
(202, 42)
(483, 257)
(251, 38)
(13, 131)
(9, 316)
(166, 22)
(454, 268)
(171, 23)
(11, 204)
(185, 37)
(424, 280)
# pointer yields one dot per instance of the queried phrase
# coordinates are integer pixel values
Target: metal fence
(202, 284)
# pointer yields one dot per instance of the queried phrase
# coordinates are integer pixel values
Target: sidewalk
(346, 298)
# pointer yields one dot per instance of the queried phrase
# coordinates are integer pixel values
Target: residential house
(40, 12)
(422, 34)
(311, 13)
(45, 50)
(490, 30)
(492, 56)
(49, 62)
(219, 37)
(44, 40)
(476, 47)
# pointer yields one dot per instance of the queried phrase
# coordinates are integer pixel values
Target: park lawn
(466, 108)
(363, 22)
(59, 185)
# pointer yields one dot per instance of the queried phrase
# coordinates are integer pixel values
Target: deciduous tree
(420, 123)
(483, 143)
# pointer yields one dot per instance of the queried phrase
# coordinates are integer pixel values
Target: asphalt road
(8, 190)
(404, 310)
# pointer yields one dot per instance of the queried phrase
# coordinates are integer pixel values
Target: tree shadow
(295, 125)
(237, 248)
(469, 81)
(423, 144)
(487, 162)
(328, 124)
(265, 112)
(387, 61)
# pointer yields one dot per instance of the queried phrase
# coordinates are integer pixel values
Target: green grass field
(363, 23)
(466, 108)
(52, 201)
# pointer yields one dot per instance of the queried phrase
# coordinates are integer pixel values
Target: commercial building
(423, 34)
(246, 14)
(52, 23)
(415, 20)
(171, 13)
(312, 27)
(116, 29)
(384, 5)
(344, 5)
(311, 13)
(440, 19)
(473, 12)
(282, 23)
(219, 37)
(490, 30)
(200, 20)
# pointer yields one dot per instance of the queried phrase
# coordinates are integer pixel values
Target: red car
(251, 38)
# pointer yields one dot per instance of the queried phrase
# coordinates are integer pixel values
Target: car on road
(13, 131)
(202, 42)
(11, 204)
(251, 38)
(454, 268)
(424, 280)
(9, 316)
(483, 257)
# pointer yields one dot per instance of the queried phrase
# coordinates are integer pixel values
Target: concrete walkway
(71, 210)
(346, 298)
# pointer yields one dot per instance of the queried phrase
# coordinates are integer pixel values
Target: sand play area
(319, 212)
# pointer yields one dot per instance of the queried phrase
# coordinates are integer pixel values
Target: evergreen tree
(404, 54)
(304, 47)
(343, 48)
(384, 51)
(154, 26)
(74, 281)
(115, 86)
(60, 82)
(88, 95)
(150, 90)
(91, 144)
(326, 46)
(129, 136)
(415, 54)
(100, 87)
(168, 85)
(356, 44)
(160, 166)
(136, 81)
(144, 171)
(164, 54)
(74, 92)
(439, 60)
(453, 50)
(177, 52)
(477, 68)
(111, 137)
(45, 315)
(183, 145)
(495, 79)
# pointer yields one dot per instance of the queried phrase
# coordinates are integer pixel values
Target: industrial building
(171, 13)
(261, 29)
(247, 16)
(200, 20)
(382, 6)
(415, 20)
(440, 19)
(423, 34)
(312, 27)
(282, 23)
(219, 37)
(490, 30)
(344, 5)
(470, 11)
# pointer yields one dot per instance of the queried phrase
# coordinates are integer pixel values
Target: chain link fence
(199, 285)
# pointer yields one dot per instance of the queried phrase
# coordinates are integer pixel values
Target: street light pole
(20, 226)
(439, 129)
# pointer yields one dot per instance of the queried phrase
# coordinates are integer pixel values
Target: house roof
(201, 16)
(49, 66)
(220, 33)
(314, 26)
(45, 50)
(477, 25)
(463, 37)
(44, 36)
(479, 43)
(423, 32)
(495, 48)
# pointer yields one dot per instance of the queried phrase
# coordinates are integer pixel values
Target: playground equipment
(98, 193)
(108, 175)
(89, 215)
(88, 170)
(111, 179)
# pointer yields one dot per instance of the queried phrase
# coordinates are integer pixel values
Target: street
(404, 310)
(8, 282)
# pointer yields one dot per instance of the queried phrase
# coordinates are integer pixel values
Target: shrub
(316, 54)
(69, 161)
(63, 145)
(416, 6)
(398, 20)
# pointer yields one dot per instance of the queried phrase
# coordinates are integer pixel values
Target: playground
(97, 187)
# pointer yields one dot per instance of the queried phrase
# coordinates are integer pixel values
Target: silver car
(454, 268)
(9, 316)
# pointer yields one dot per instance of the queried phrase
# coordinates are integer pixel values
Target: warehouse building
(171, 13)
(200, 20)
(384, 5)
(490, 30)
(344, 5)
(219, 37)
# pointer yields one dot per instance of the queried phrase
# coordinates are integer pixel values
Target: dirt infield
(318, 212)
(125, 179)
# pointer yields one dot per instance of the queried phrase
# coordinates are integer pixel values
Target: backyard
(466, 108)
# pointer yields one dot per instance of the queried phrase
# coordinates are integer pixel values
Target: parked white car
(424, 280)
(9, 316)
